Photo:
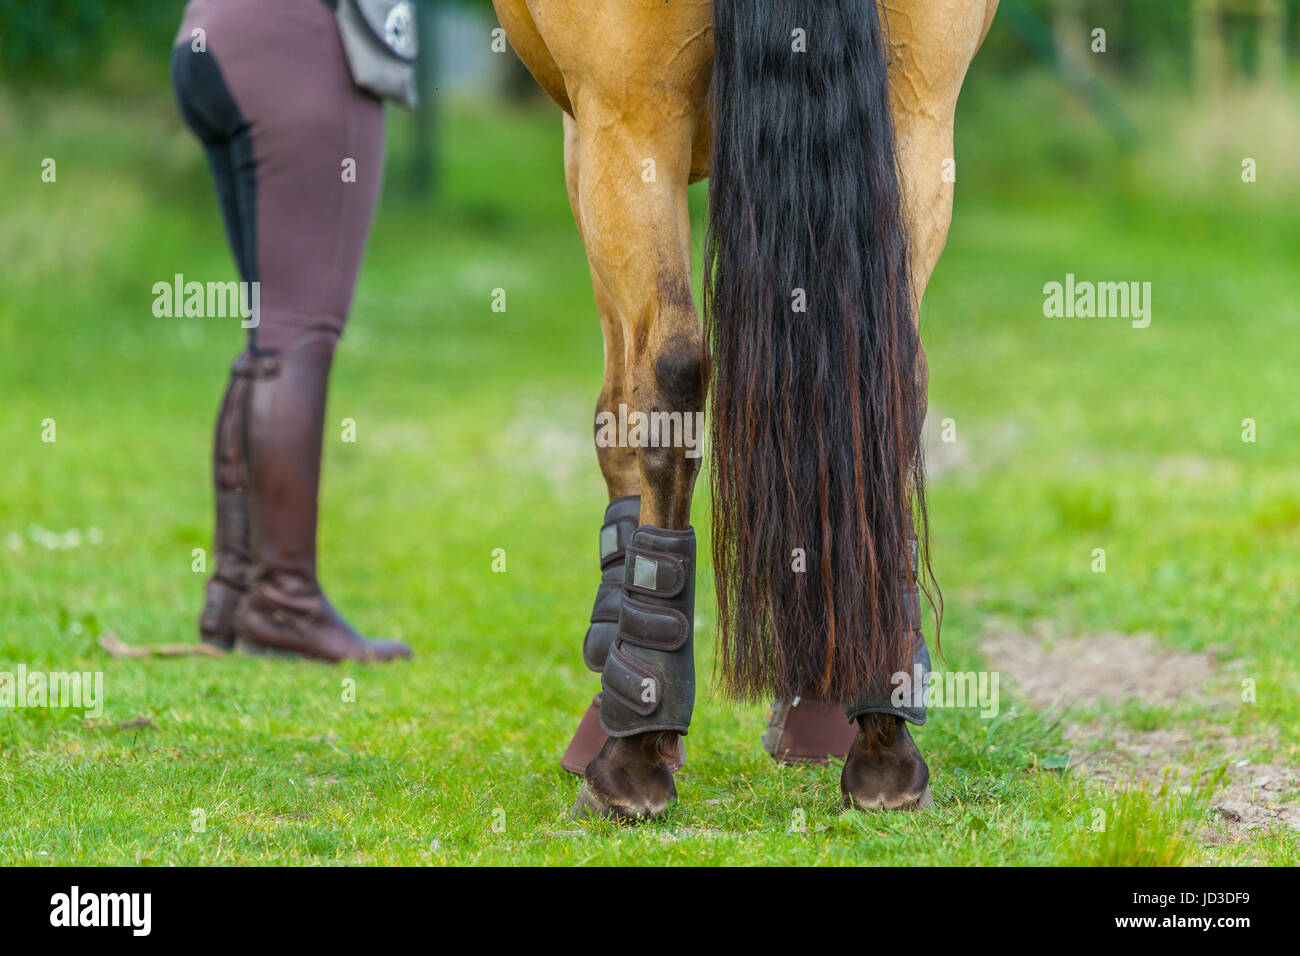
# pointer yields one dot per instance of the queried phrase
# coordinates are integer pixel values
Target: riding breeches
(296, 151)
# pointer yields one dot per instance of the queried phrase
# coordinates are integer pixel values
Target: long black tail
(817, 405)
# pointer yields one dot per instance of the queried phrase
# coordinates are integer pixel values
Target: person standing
(286, 98)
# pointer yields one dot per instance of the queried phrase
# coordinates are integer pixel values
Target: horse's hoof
(631, 779)
(923, 802)
(591, 804)
(884, 770)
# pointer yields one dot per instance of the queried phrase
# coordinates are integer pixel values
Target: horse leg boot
(233, 557)
(884, 769)
(804, 730)
(648, 681)
(285, 611)
(621, 517)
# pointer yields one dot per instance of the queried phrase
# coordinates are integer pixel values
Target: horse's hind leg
(636, 117)
(622, 478)
(932, 44)
(636, 233)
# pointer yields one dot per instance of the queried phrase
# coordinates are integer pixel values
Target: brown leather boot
(232, 553)
(804, 730)
(285, 611)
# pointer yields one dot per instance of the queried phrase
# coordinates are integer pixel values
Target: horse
(825, 128)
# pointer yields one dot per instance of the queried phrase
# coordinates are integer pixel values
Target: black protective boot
(648, 682)
(621, 518)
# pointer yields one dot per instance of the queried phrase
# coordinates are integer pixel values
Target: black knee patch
(682, 374)
(206, 103)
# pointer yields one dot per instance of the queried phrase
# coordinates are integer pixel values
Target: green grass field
(473, 431)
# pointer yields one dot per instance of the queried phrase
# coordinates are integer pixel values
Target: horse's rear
(830, 200)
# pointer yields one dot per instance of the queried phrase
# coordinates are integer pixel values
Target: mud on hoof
(884, 770)
(632, 777)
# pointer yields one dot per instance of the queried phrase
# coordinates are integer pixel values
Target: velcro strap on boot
(604, 621)
(649, 673)
(912, 600)
(634, 683)
(621, 517)
(654, 573)
(609, 596)
(655, 628)
(912, 594)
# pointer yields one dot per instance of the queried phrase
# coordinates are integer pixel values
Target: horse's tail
(817, 406)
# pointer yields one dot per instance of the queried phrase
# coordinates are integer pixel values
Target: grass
(472, 434)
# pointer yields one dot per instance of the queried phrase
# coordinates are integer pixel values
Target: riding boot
(621, 518)
(233, 558)
(285, 611)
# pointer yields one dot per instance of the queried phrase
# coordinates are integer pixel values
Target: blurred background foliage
(1195, 75)
(116, 42)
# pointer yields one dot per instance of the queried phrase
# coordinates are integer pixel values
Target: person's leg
(315, 155)
(211, 113)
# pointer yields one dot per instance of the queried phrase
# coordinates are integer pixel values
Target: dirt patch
(1099, 669)
(1083, 675)
(1258, 796)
